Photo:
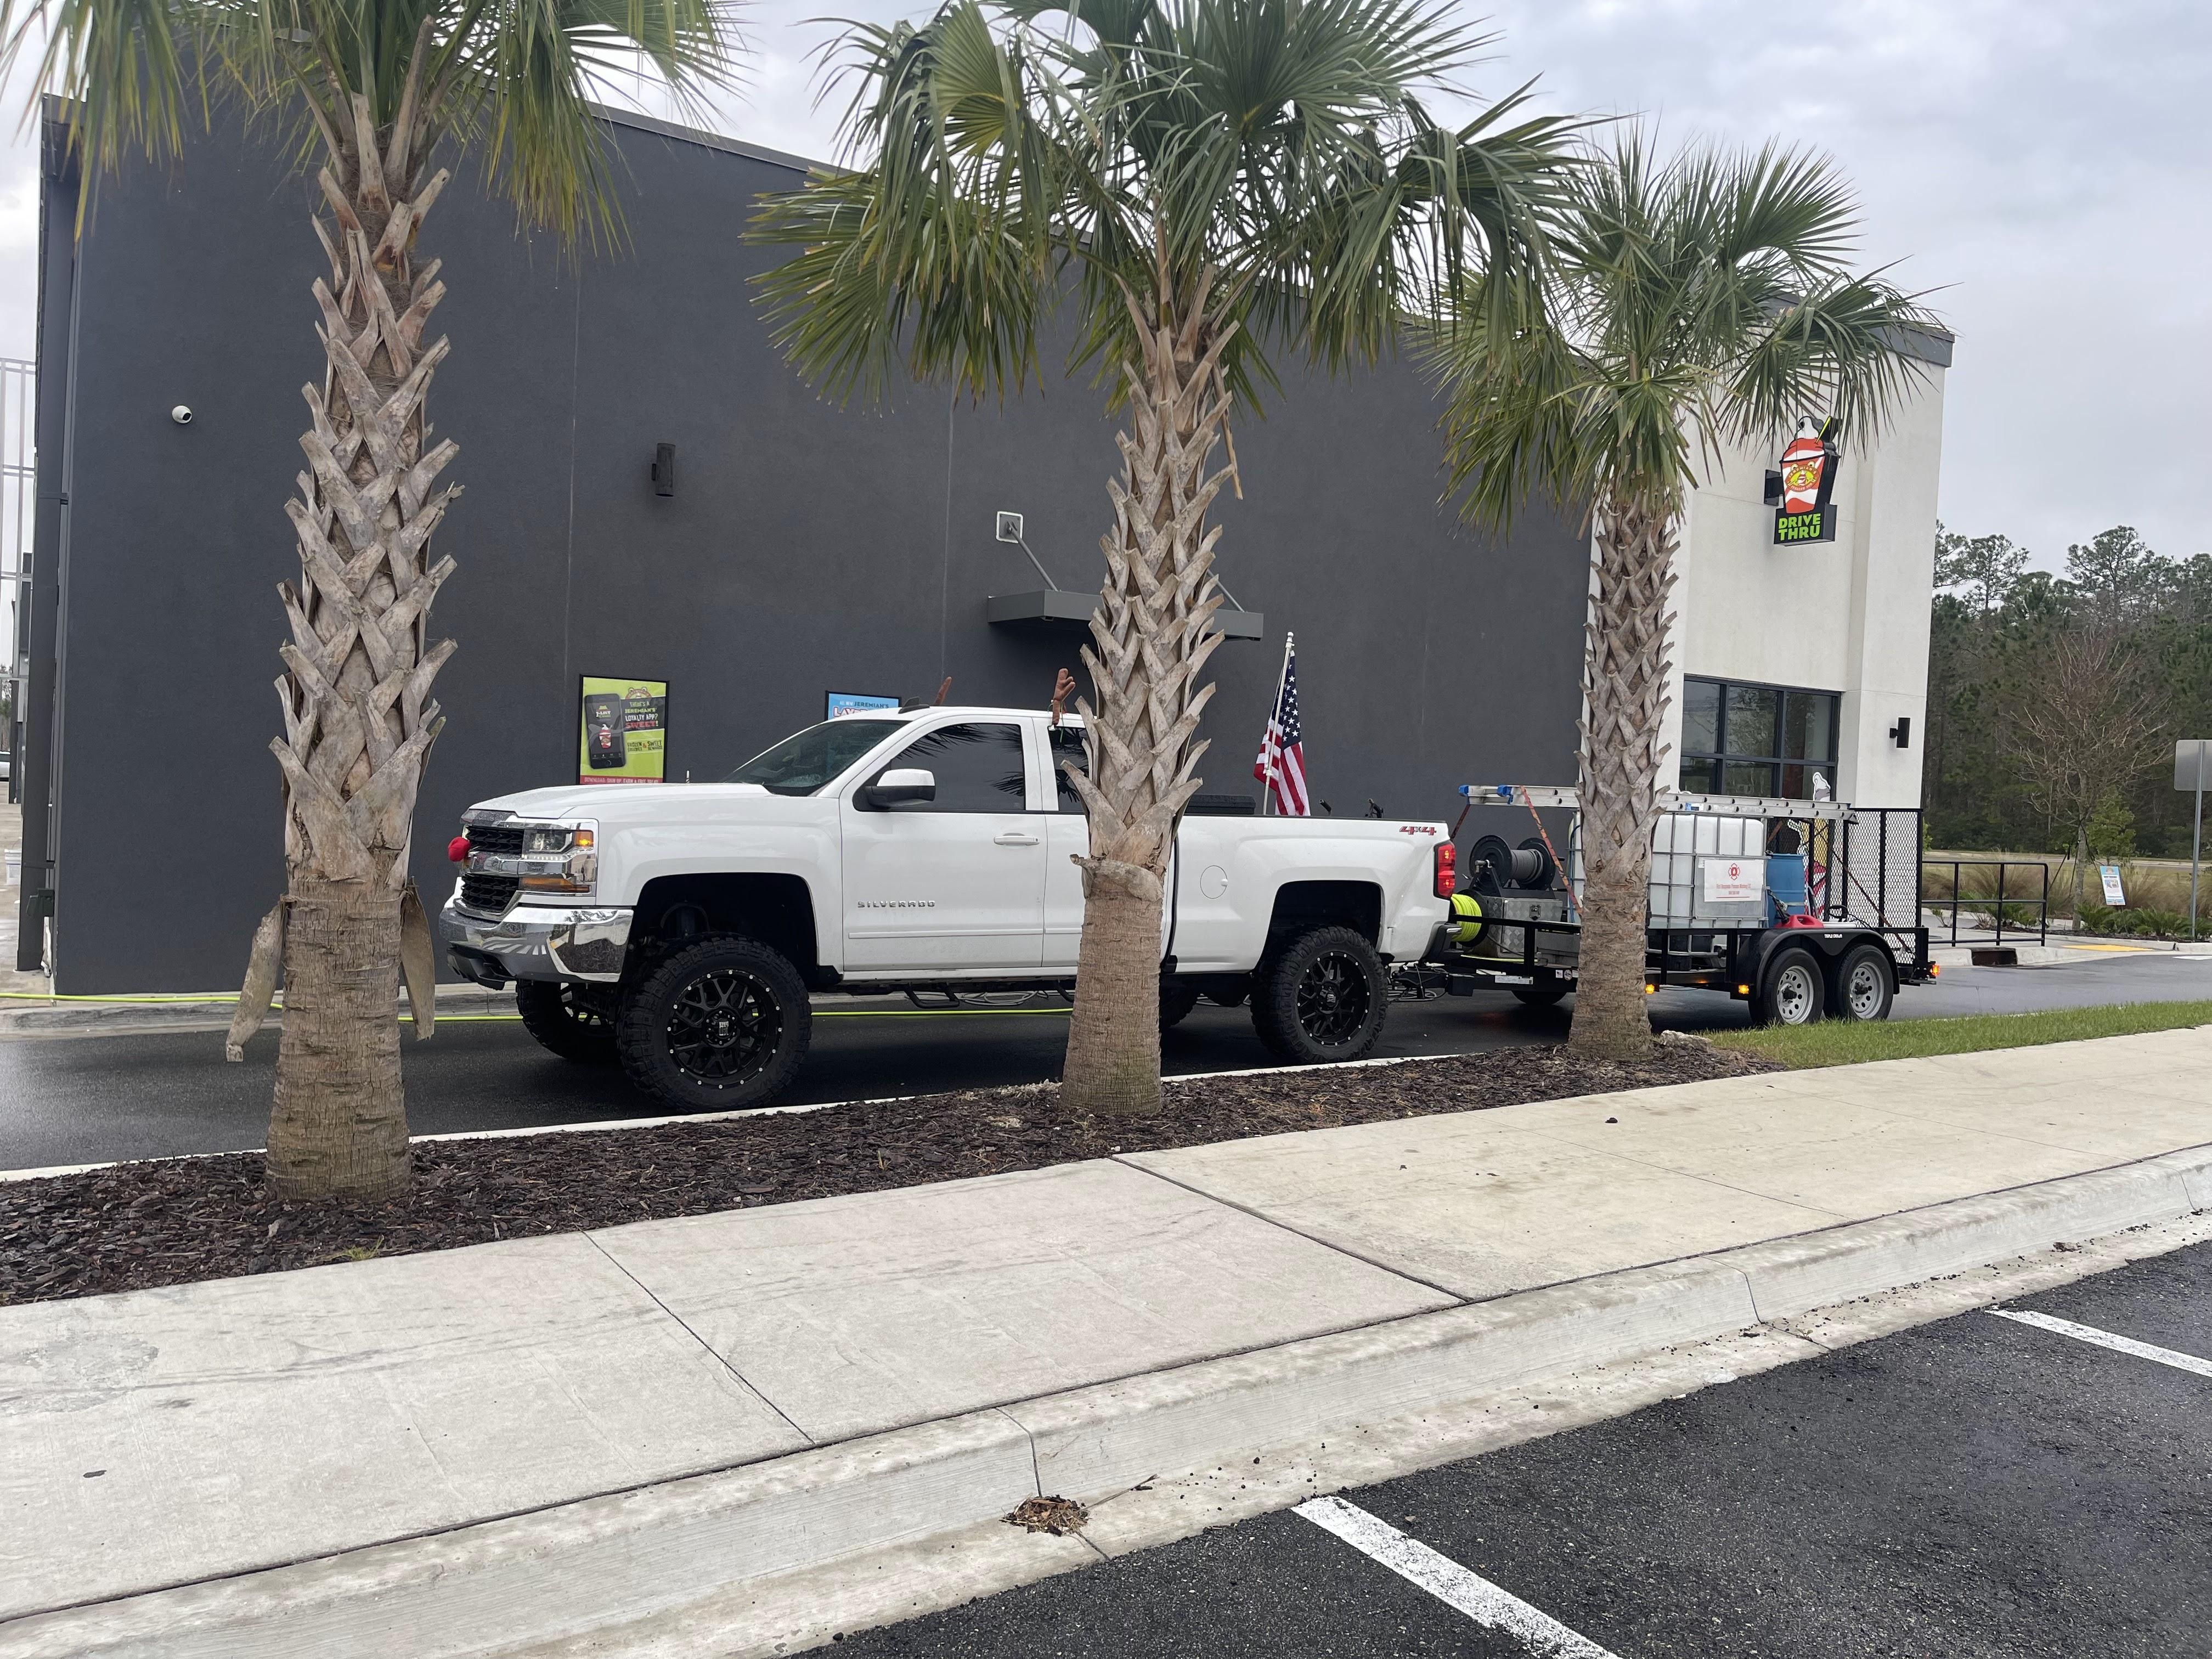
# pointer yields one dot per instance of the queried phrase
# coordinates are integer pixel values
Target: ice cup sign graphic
(1800, 489)
(1804, 465)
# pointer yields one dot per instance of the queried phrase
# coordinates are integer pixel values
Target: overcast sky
(2045, 165)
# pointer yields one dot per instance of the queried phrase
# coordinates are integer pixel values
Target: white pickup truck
(681, 928)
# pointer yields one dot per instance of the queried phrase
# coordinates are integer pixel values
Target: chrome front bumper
(536, 941)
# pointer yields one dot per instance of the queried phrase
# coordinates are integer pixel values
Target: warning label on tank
(1733, 881)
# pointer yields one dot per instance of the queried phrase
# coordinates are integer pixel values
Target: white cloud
(2043, 164)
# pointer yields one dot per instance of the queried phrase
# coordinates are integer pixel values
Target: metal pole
(2196, 842)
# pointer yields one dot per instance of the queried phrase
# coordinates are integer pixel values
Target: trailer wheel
(1865, 985)
(1322, 998)
(718, 1026)
(575, 1022)
(1793, 994)
(1539, 996)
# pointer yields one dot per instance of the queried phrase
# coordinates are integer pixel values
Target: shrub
(2162, 924)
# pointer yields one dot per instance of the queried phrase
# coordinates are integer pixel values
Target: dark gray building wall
(807, 547)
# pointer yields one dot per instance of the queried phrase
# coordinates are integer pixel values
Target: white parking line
(2180, 1361)
(1449, 1582)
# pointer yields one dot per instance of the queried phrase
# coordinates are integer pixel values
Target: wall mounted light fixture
(663, 469)
(1901, 733)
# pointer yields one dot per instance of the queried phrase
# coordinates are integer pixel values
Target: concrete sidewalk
(543, 1440)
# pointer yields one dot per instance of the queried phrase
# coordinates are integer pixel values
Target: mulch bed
(173, 1221)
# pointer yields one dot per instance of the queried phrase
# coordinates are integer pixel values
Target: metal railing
(1995, 905)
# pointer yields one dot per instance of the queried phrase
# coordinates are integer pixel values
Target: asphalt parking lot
(88, 1099)
(1972, 1489)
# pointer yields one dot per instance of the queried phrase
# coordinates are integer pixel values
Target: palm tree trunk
(1150, 635)
(358, 718)
(340, 1122)
(1625, 692)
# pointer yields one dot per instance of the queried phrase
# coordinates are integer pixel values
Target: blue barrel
(1785, 886)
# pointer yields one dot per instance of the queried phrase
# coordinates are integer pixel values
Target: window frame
(896, 759)
(1722, 756)
(1057, 802)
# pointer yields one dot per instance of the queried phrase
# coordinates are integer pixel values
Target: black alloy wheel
(1322, 998)
(721, 1025)
(1332, 999)
(576, 1022)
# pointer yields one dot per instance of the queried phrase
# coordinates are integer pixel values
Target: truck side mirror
(903, 785)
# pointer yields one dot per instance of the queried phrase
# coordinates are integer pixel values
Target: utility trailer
(1804, 909)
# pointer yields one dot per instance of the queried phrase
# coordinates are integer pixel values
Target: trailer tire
(1793, 991)
(720, 1025)
(1865, 985)
(568, 1019)
(1539, 996)
(1321, 998)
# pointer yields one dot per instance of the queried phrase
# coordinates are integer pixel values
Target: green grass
(1847, 1042)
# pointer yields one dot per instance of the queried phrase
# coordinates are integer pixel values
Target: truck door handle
(1016, 838)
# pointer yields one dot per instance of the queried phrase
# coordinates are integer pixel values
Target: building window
(1756, 739)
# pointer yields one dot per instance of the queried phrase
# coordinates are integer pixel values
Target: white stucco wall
(1848, 616)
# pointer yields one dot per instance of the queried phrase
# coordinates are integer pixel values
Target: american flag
(1282, 761)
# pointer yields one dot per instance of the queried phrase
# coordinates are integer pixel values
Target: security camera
(182, 415)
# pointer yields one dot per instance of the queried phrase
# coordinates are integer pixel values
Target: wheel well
(1300, 905)
(777, 910)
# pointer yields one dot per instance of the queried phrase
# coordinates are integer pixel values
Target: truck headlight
(555, 858)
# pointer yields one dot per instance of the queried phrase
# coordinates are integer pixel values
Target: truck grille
(488, 895)
(500, 839)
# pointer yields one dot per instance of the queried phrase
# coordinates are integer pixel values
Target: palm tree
(1198, 182)
(1686, 304)
(376, 95)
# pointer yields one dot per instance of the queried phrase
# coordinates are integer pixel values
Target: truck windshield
(807, 760)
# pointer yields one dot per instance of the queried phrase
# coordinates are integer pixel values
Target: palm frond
(1684, 303)
(515, 76)
(1280, 144)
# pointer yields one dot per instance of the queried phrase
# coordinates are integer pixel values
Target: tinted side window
(1067, 745)
(978, 768)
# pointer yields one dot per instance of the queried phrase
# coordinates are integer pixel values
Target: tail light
(1447, 869)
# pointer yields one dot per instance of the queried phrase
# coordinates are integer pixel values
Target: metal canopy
(1060, 611)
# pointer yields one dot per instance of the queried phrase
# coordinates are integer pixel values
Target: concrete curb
(124, 1018)
(580, 1571)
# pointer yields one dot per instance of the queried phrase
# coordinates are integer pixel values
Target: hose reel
(1499, 869)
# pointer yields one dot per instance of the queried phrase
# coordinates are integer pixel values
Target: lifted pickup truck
(682, 929)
